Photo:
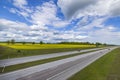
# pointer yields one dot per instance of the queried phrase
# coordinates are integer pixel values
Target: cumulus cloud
(44, 14)
(70, 36)
(95, 23)
(21, 8)
(23, 32)
(115, 8)
(45, 23)
(71, 7)
(79, 8)
(104, 35)
(8, 24)
(20, 3)
(60, 23)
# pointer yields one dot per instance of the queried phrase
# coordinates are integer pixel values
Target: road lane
(50, 67)
(62, 72)
(8, 62)
(46, 74)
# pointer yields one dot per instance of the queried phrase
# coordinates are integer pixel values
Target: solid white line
(3, 68)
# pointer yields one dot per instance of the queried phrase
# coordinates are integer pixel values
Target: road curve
(8, 62)
(57, 70)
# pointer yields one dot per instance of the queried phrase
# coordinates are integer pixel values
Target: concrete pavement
(53, 70)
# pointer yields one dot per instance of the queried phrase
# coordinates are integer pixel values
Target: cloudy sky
(60, 20)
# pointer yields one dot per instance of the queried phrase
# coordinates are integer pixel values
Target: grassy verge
(114, 73)
(29, 64)
(100, 69)
(6, 52)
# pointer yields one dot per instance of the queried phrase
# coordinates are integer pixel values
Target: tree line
(12, 41)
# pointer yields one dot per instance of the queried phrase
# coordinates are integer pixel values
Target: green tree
(105, 44)
(41, 42)
(12, 41)
(98, 44)
(8, 42)
(33, 43)
(23, 43)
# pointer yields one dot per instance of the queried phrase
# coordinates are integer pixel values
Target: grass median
(38, 62)
(105, 68)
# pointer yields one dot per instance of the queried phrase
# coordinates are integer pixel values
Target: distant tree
(41, 42)
(98, 44)
(23, 43)
(8, 42)
(12, 41)
(33, 43)
(88, 43)
(105, 44)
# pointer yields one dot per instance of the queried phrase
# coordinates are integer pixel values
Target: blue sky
(60, 20)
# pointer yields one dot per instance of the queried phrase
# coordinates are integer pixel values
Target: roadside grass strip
(38, 62)
(114, 73)
(105, 68)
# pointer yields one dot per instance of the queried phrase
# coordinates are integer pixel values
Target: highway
(8, 62)
(57, 70)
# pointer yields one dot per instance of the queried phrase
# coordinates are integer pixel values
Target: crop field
(45, 46)
(20, 50)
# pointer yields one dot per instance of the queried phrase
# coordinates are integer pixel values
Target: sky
(60, 20)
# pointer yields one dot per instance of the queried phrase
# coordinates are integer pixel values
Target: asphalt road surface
(8, 62)
(57, 70)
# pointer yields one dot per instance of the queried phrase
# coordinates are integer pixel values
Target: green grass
(11, 51)
(114, 73)
(101, 69)
(29, 64)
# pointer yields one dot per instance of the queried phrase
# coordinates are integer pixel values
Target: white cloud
(85, 24)
(68, 36)
(47, 15)
(7, 24)
(44, 14)
(22, 32)
(98, 32)
(71, 7)
(20, 3)
(60, 23)
(115, 8)
(38, 27)
(21, 8)
(12, 10)
(104, 35)
(79, 8)
(93, 13)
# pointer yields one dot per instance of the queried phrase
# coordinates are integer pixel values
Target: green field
(20, 50)
(105, 68)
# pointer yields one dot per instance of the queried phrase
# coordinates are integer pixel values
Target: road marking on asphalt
(3, 68)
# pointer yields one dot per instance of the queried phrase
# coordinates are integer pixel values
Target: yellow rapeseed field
(45, 46)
